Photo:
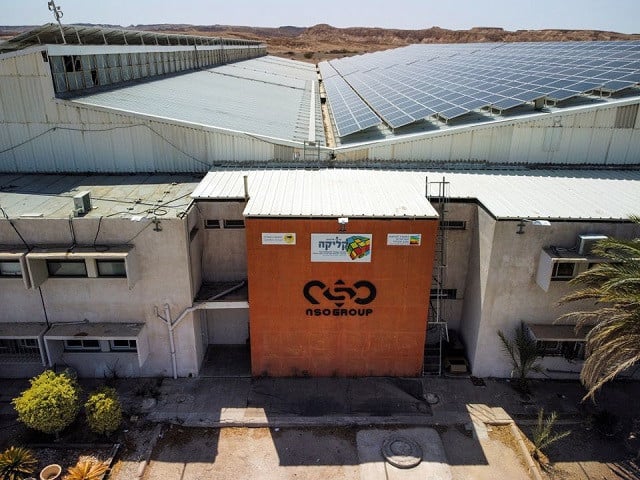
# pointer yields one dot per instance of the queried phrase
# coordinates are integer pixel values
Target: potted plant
(51, 472)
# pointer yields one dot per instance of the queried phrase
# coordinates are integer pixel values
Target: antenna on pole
(57, 13)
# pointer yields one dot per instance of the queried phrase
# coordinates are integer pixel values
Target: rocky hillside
(325, 42)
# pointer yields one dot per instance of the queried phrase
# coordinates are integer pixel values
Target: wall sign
(341, 247)
(278, 239)
(404, 239)
(343, 300)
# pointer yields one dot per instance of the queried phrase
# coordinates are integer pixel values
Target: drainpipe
(171, 325)
(172, 343)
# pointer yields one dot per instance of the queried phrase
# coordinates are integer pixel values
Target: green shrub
(50, 404)
(104, 412)
(16, 463)
(543, 434)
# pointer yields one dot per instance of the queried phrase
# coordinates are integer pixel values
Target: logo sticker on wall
(404, 239)
(344, 300)
(278, 239)
(349, 247)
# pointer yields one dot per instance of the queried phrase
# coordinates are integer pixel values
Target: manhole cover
(401, 452)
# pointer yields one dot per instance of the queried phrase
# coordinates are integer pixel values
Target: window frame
(82, 347)
(556, 276)
(132, 345)
(452, 225)
(233, 224)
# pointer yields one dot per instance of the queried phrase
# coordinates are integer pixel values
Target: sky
(613, 15)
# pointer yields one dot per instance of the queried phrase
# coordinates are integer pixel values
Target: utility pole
(57, 13)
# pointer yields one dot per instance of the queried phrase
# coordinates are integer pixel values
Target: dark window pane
(111, 268)
(67, 268)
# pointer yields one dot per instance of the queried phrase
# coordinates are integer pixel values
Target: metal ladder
(437, 332)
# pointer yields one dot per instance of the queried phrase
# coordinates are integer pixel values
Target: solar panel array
(350, 113)
(409, 84)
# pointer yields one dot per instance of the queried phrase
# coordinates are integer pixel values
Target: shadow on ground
(313, 397)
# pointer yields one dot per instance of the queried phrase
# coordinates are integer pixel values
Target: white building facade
(148, 276)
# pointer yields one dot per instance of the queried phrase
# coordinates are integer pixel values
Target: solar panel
(408, 84)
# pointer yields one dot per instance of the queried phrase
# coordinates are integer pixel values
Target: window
(28, 343)
(27, 347)
(549, 347)
(67, 268)
(234, 224)
(212, 224)
(453, 225)
(445, 293)
(573, 350)
(10, 268)
(72, 63)
(123, 345)
(568, 350)
(82, 345)
(111, 268)
(563, 271)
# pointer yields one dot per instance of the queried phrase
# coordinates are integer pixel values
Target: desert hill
(323, 41)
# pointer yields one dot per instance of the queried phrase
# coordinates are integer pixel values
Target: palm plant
(16, 463)
(613, 344)
(523, 352)
(86, 470)
(543, 434)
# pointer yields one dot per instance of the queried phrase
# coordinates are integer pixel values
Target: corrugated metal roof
(51, 196)
(319, 193)
(515, 194)
(551, 194)
(254, 96)
(89, 35)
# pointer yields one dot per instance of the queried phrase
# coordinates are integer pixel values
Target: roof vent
(587, 241)
(81, 203)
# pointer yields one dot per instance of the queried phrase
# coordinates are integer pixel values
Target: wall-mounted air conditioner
(587, 241)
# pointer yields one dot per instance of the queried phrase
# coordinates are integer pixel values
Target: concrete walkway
(215, 402)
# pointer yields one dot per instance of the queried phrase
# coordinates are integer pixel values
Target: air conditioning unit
(587, 241)
(81, 203)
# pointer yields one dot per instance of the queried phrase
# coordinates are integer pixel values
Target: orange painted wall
(285, 341)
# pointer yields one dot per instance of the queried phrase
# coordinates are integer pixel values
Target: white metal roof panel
(552, 194)
(513, 194)
(256, 96)
(320, 193)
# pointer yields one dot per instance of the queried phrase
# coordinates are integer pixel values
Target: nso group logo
(346, 300)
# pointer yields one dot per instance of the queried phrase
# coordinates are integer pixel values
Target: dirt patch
(504, 435)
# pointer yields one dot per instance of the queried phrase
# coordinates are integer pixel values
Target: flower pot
(51, 472)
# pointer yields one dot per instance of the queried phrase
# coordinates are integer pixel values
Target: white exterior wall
(502, 291)
(458, 245)
(46, 134)
(163, 278)
(228, 326)
(581, 135)
(224, 256)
